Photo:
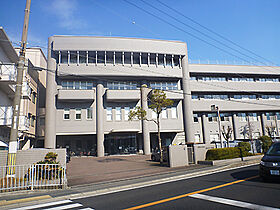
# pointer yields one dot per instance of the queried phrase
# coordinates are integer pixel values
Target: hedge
(226, 153)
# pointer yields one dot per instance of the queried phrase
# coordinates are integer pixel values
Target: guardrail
(32, 176)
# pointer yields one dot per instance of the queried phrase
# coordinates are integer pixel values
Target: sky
(252, 24)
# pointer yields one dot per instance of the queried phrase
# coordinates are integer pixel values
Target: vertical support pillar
(204, 128)
(50, 126)
(187, 106)
(145, 123)
(99, 119)
(263, 123)
(235, 126)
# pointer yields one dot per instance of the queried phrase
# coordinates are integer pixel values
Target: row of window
(118, 58)
(78, 114)
(235, 79)
(118, 113)
(122, 85)
(213, 117)
(242, 97)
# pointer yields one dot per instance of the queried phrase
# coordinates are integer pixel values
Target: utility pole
(216, 108)
(17, 98)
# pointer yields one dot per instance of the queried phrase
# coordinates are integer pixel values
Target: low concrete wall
(200, 151)
(229, 161)
(31, 156)
(178, 155)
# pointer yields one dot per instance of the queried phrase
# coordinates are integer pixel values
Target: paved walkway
(84, 170)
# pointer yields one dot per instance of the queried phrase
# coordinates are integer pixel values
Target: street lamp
(216, 108)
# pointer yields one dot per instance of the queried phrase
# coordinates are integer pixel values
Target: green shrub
(226, 153)
(245, 145)
(266, 142)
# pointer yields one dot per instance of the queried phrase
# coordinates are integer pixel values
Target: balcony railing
(7, 72)
(6, 113)
(24, 123)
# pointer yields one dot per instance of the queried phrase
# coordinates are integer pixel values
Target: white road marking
(232, 202)
(70, 206)
(44, 205)
(87, 209)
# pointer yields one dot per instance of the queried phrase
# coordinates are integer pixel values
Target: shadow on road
(250, 173)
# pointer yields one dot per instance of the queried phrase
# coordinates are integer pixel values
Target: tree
(266, 142)
(247, 132)
(270, 130)
(158, 102)
(227, 132)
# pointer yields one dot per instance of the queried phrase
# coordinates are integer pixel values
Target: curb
(23, 200)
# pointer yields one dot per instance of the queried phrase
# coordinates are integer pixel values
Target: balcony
(26, 90)
(123, 95)
(24, 123)
(8, 73)
(76, 95)
(6, 113)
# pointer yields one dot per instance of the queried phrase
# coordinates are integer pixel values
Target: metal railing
(191, 155)
(8, 71)
(6, 113)
(32, 176)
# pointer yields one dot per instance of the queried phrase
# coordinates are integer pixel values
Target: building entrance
(120, 144)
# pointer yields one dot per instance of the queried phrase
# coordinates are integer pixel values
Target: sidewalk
(85, 170)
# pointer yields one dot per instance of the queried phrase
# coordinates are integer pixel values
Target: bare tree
(270, 129)
(227, 133)
(247, 132)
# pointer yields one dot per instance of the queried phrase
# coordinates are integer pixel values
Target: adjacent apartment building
(93, 83)
(30, 92)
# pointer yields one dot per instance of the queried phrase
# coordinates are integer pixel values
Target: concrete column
(99, 119)
(187, 106)
(235, 126)
(204, 129)
(145, 123)
(263, 123)
(50, 124)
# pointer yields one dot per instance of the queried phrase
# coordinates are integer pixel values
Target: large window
(66, 114)
(78, 114)
(64, 57)
(242, 117)
(110, 57)
(118, 58)
(82, 57)
(89, 113)
(126, 113)
(176, 61)
(136, 58)
(100, 57)
(164, 85)
(127, 58)
(109, 113)
(144, 58)
(253, 116)
(160, 59)
(153, 59)
(73, 56)
(224, 116)
(122, 85)
(164, 113)
(91, 57)
(77, 85)
(174, 112)
(118, 113)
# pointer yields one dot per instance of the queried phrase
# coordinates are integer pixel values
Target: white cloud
(66, 12)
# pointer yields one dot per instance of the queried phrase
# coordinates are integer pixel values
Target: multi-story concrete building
(93, 83)
(29, 101)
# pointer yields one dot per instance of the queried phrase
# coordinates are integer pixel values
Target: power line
(215, 33)
(180, 29)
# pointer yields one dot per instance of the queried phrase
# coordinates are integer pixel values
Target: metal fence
(34, 176)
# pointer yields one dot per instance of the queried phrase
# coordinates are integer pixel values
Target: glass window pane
(91, 57)
(100, 56)
(118, 58)
(168, 60)
(64, 57)
(82, 57)
(153, 58)
(136, 58)
(109, 57)
(160, 59)
(73, 56)
(144, 58)
(127, 58)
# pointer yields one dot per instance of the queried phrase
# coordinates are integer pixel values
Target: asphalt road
(225, 190)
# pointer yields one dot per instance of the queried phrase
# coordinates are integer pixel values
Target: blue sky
(253, 24)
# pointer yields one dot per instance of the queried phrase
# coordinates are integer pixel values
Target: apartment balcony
(122, 95)
(24, 123)
(8, 73)
(6, 113)
(76, 95)
(26, 90)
